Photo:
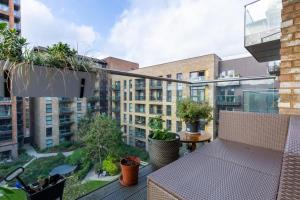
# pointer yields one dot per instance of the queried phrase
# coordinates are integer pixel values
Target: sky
(144, 31)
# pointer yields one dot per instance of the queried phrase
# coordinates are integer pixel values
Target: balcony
(156, 98)
(140, 122)
(5, 115)
(263, 29)
(5, 135)
(115, 110)
(155, 85)
(65, 133)
(228, 100)
(140, 98)
(65, 110)
(4, 8)
(66, 121)
(156, 111)
(93, 99)
(116, 87)
(140, 87)
(65, 100)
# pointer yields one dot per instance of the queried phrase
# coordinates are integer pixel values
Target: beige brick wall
(290, 58)
(207, 63)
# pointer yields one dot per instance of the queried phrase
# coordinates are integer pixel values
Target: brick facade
(290, 58)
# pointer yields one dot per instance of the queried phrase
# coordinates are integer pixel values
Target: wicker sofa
(256, 156)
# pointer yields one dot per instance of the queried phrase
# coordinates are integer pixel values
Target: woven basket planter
(163, 152)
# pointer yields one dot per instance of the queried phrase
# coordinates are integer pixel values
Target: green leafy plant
(190, 111)
(11, 44)
(110, 164)
(158, 132)
(103, 136)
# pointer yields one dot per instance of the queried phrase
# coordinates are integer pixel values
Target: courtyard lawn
(90, 186)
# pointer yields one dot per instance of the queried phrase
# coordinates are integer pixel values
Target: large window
(79, 106)
(197, 76)
(198, 94)
(169, 110)
(49, 131)
(168, 124)
(49, 120)
(48, 108)
(140, 108)
(125, 107)
(169, 96)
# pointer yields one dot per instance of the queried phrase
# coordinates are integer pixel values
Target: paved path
(32, 152)
(93, 176)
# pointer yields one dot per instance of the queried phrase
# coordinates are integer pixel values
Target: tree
(101, 137)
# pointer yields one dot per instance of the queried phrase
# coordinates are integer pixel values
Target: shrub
(98, 167)
(84, 170)
(110, 165)
(78, 157)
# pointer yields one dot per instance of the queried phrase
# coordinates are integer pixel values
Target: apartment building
(12, 110)
(55, 119)
(237, 95)
(10, 12)
(136, 100)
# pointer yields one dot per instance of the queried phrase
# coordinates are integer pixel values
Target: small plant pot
(193, 127)
(130, 170)
(162, 152)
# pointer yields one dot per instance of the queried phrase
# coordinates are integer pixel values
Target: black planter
(193, 126)
(163, 152)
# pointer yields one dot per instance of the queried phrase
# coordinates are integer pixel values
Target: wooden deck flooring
(115, 191)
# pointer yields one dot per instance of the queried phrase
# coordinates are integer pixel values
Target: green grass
(8, 167)
(93, 185)
(63, 147)
(41, 168)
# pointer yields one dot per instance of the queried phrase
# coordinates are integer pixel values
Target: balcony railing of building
(66, 121)
(140, 134)
(139, 86)
(5, 114)
(140, 121)
(65, 100)
(263, 29)
(5, 136)
(156, 111)
(65, 110)
(156, 98)
(197, 79)
(4, 7)
(155, 85)
(65, 133)
(93, 99)
(140, 98)
(229, 100)
(116, 87)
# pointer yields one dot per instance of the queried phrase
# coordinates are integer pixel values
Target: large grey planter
(163, 152)
(50, 82)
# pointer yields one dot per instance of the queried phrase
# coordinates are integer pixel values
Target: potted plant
(129, 170)
(56, 70)
(191, 112)
(163, 145)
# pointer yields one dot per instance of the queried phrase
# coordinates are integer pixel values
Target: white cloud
(155, 31)
(41, 27)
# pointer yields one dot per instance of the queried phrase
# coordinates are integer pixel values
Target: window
(198, 94)
(169, 110)
(130, 107)
(169, 96)
(125, 107)
(140, 108)
(169, 83)
(125, 96)
(125, 84)
(140, 133)
(130, 83)
(49, 132)
(79, 106)
(48, 99)
(197, 76)
(125, 129)
(169, 124)
(178, 126)
(49, 143)
(48, 108)
(125, 118)
(48, 120)
(79, 115)
(130, 96)
(130, 119)
(179, 95)
(179, 76)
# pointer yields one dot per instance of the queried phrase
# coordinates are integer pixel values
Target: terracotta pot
(129, 170)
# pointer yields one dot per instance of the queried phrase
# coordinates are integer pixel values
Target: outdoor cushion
(222, 170)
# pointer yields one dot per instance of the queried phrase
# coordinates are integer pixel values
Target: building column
(11, 14)
(290, 58)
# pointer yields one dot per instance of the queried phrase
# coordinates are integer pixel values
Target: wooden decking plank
(140, 195)
(115, 186)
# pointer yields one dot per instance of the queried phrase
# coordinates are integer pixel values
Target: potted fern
(163, 144)
(192, 112)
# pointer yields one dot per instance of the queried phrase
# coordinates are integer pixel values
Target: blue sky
(144, 31)
(101, 14)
